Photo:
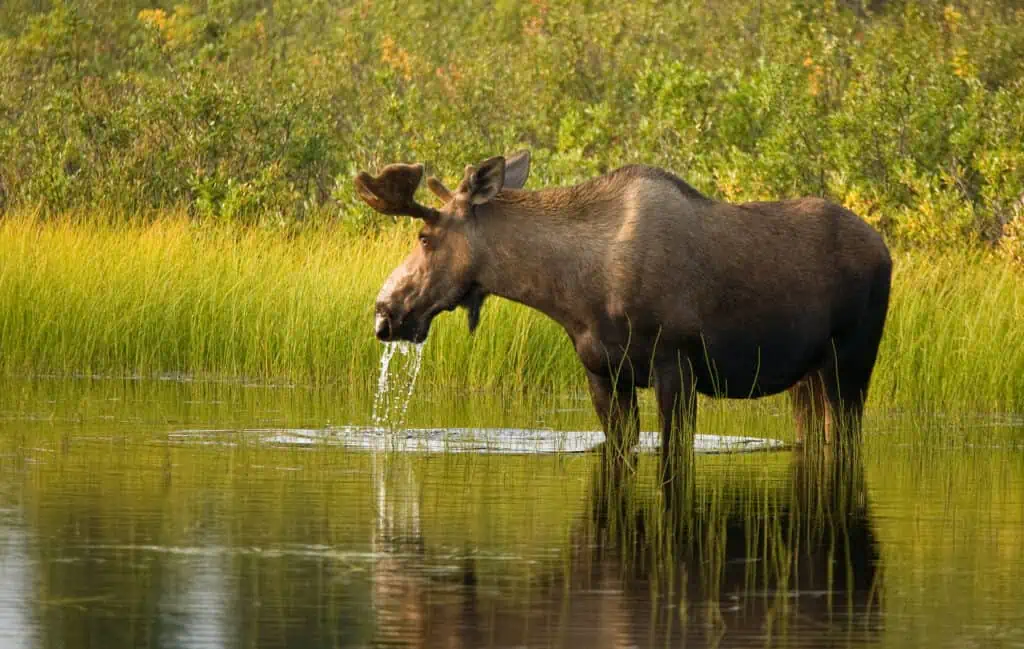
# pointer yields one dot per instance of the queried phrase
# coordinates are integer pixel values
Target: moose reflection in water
(657, 286)
(732, 566)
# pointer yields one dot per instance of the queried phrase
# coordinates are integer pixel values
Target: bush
(912, 113)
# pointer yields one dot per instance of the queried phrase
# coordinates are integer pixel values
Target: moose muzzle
(382, 327)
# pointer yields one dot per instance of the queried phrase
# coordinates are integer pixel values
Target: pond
(174, 514)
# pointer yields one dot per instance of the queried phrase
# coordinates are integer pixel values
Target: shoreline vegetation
(82, 296)
(176, 195)
(909, 113)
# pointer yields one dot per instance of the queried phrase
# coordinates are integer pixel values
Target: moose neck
(540, 258)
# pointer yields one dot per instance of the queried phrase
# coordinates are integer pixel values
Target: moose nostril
(382, 326)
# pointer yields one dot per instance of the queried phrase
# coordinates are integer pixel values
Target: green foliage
(912, 114)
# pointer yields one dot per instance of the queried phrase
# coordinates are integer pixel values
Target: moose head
(441, 271)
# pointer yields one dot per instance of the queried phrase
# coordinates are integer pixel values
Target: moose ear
(517, 168)
(391, 192)
(484, 182)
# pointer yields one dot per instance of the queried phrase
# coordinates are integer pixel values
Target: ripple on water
(520, 441)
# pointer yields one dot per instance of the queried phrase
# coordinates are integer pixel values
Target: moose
(657, 285)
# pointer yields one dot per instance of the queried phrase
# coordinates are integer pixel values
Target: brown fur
(659, 286)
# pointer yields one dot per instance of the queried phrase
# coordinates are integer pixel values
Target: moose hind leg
(811, 410)
(846, 392)
(677, 414)
(853, 362)
(846, 380)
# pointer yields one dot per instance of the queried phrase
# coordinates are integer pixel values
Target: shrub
(911, 113)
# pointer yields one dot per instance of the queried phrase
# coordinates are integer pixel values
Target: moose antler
(391, 192)
(435, 185)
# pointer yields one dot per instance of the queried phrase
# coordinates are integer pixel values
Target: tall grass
(166, 297)
(170, 297)
(955, 334)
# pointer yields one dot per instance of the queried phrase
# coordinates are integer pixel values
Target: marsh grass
(170, 298)
(954, 334)
(165, 297)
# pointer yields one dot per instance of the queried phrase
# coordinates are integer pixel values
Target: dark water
(168, 514)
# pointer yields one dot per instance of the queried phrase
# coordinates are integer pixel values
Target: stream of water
(389, 409)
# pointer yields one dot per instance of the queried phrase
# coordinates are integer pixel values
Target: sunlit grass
(953, 337)
(168, 297)
(83, 297)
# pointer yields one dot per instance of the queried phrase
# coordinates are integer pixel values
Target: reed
(954, 333)
(98, 296)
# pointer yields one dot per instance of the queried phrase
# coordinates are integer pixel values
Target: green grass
(83, 297)
(953, 335)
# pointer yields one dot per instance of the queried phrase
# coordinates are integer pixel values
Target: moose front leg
(616, 470)
(616, 405)
(677, 412)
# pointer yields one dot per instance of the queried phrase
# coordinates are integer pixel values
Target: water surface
(179, 514)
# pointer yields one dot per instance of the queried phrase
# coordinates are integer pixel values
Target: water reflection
(130, 557)
(744, 568)
(739, 566)
(119, 528)
(16, 624)
(195, 610)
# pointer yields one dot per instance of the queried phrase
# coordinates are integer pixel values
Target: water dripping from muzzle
(391, 401)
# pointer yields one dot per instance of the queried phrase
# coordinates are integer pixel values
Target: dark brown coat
(657, 286)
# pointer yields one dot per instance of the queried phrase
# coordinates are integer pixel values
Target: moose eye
(425, 241)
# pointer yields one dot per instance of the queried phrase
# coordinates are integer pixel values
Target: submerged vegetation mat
(170, 297)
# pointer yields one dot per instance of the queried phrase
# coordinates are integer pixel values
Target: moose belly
(738, 367)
